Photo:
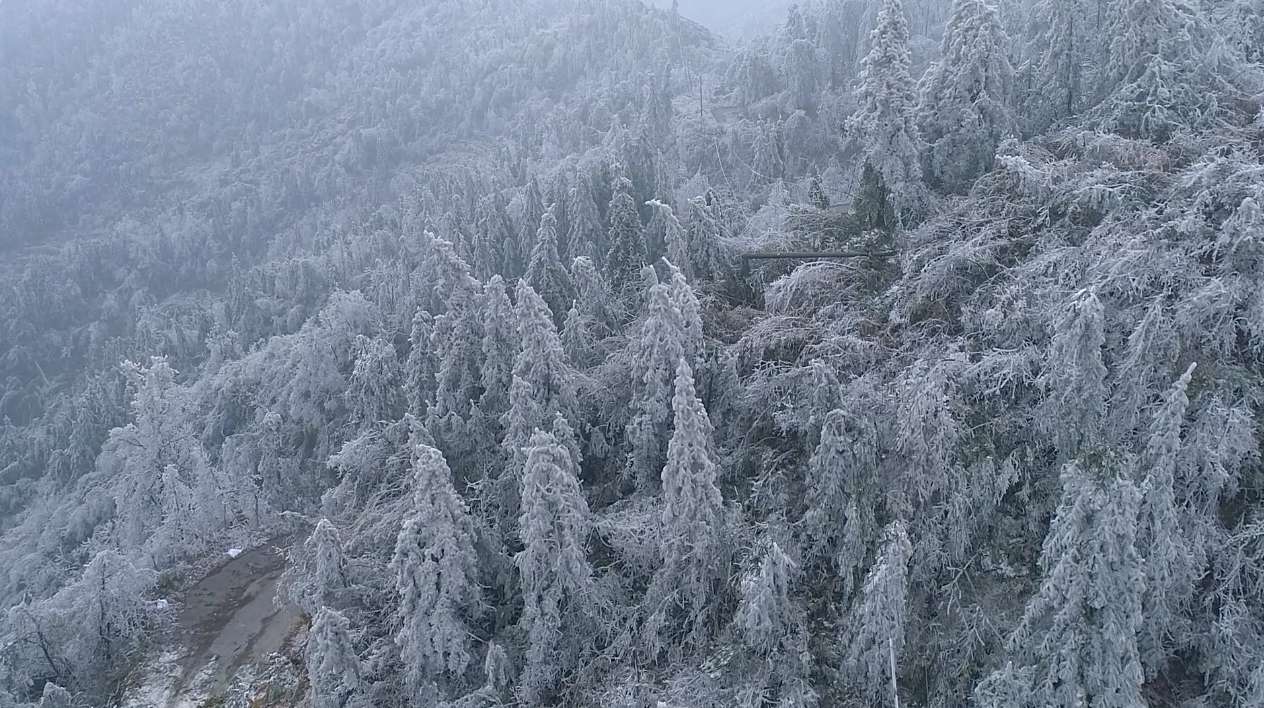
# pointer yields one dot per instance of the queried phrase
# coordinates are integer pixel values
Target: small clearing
(229, 621)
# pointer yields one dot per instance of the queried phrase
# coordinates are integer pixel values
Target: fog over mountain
(471, 354)
(734, 18)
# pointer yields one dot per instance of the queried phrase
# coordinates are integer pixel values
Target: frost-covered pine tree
(497, 671)
(1161, 70)
(884, 127)
(692, 527)
(421, 366)
(593, 297)
(501, 343)
(658, 348)
(766, 615)
(374, 387)
(543, 387)
(456, 341)
(686, 301)
(767, 165)
(1075, 376)
(168, 496)
(318, 577)
(843, 498)
(556, 578)
(707, 258)
(545, 272)
(804, 73)
(1174, 561)
(518, 252)
(436, 574)
(1055, 81)
(577, 338)
(543, 383)
(1077, 641)
(627, 252)
(675, 240)
(500, 348)
(965, 96)
(1144, 31)
(586, 236)
(875, 628)
(333, 669)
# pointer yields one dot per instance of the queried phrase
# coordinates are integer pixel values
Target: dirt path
(228, 621)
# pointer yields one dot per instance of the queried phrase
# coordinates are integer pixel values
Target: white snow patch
(234, 552)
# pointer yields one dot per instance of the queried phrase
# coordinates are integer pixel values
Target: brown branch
(809, 255)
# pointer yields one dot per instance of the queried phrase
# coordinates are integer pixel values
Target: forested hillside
(456, 301)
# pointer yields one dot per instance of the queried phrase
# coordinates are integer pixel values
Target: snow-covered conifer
(325, 548)
(843, 496)
(675, 239)
(627, 243)
(518, 250)
(556, 578)
(333, 668)
(594, 298)
(766, 614)
(436, 574)
(685, 299)
(692, 522)
(497, 670)
(707, 258)
(501, 343)
(767, 165)
(82, 634)
(1172, 558)
(374, 388)
(586, 237)
(657, 350)
(884, 126)
(1077, 641)
(545, 272)
(55, 696)
(456, 341)
(543, 384)
(875, 630)
(421, 366)
(965, 102)
(1061, 51)
(1075, 376)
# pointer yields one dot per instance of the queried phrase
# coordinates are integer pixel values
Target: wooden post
(895, 694)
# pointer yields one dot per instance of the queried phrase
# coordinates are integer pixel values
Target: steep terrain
(464, 290)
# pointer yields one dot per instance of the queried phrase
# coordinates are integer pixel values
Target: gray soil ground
(229, 621)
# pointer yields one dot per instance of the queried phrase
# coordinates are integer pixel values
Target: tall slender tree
(1077, 641)
(692, 525)
(1174, 560)
(545, 272)
(557, 580)
(436, 574)
(627, 243)
(965, 103)
(1055, 76)
(543, 387)
(884, 127)
(657, 350)
(333, 669)
(874, 638)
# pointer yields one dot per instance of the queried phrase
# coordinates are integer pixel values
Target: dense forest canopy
(455, 302)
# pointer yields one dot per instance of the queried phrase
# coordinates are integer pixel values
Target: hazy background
(732, 17)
